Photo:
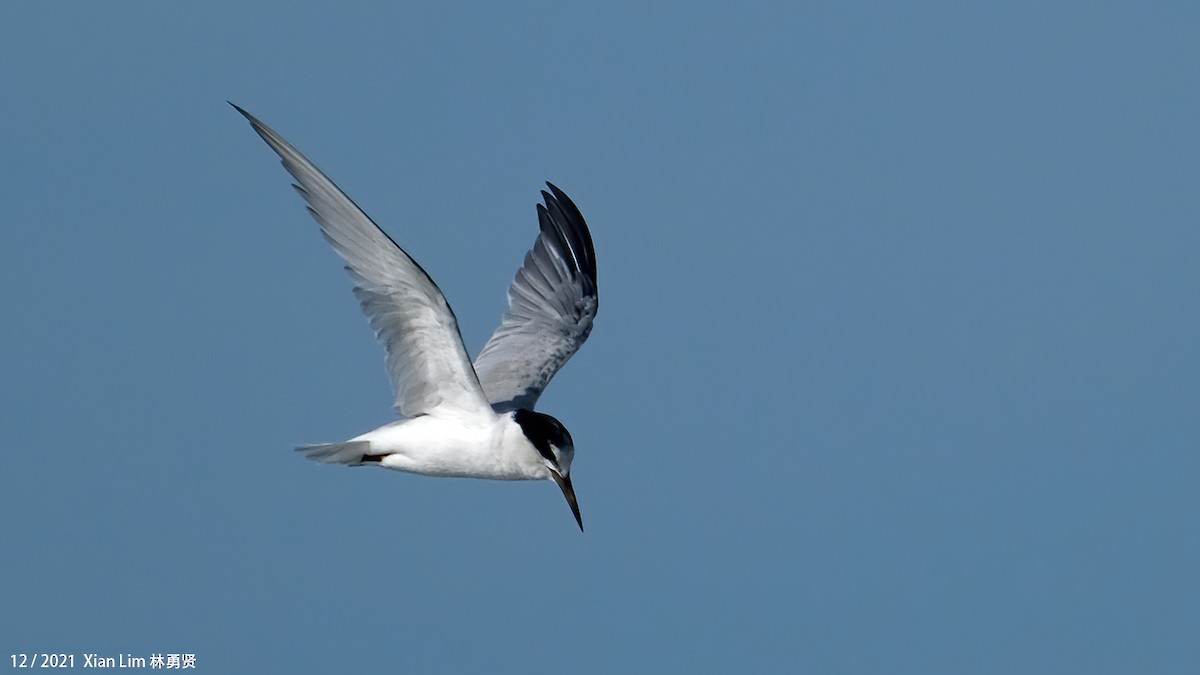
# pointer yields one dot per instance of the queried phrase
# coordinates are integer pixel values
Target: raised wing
(551, 305)
(425, 355)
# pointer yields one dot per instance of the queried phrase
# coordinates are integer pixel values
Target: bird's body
(462, 419)
(427, 445)
(493, 447)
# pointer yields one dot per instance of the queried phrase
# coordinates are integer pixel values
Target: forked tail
(351, 453)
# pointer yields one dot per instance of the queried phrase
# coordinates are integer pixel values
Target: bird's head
(553, 442)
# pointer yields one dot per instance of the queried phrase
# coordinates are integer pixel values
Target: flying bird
(460, 418)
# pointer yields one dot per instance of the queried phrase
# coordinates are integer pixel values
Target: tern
(458, 418)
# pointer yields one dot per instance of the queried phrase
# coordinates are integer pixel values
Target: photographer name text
(154, 661)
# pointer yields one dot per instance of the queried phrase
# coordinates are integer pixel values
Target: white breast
(495, 448)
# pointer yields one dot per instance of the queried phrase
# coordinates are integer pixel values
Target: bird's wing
(551, 305)
(426, 359)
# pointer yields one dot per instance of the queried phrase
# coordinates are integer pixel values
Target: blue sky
(895, 368)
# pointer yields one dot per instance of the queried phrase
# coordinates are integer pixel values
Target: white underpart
(435, 446)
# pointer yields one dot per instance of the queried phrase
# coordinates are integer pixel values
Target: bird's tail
(351, 453)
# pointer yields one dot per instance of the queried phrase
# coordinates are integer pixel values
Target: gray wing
(551, 305)
(425, 355)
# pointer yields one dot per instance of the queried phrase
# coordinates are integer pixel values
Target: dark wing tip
(267, 133)
(569, 228)
(253, 120)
